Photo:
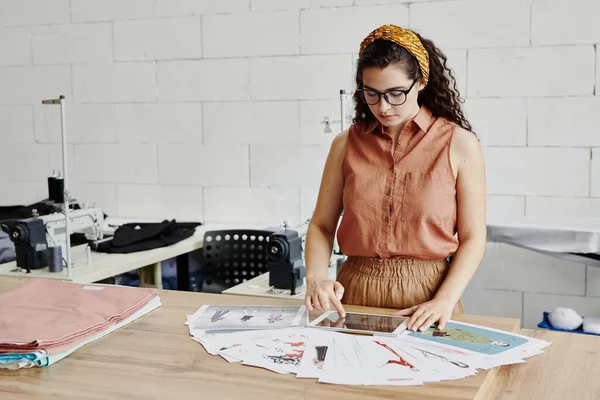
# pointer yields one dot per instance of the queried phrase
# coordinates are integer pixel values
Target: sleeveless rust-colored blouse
(399, 203)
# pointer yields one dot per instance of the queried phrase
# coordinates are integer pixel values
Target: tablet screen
(362, 322)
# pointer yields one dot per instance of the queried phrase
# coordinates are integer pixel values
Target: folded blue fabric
(547, 325)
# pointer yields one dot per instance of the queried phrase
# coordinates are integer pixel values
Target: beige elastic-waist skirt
(392, 283)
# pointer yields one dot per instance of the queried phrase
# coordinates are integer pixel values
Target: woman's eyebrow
(386, 90)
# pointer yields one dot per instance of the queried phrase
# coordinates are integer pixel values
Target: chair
(230, 257)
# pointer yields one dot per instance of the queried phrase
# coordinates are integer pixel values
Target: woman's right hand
(321, 295)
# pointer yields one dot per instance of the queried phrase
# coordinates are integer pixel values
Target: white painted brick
(102, 195)
(505, 206)
(33, 12)
(576, 207)
(116, 163)
(159, 123)
(287, 166)
(272, 122)
(158, 39)
(203, 80)
(31, 85)
(182, 203)
(169, 8)
(560, 22)
(452, 24)
(114, 82)
(271, 5)
(225, 165)
(340, 30)
(18, 193)
(308, 202)
(86, 123)
(267, 82)
(593, 281)
(370, 2)
(109, 10)
(29, 161)
(250, 205)
(250, 34)
(15, 46)
(517, 72)
(498, 122)
(595, 188)
(63, 44)
(506, 267)
(16, 124)
(536, 303)
(564, 121)
(457, 62)
(312, 115)
(495, 303)
(537, 171)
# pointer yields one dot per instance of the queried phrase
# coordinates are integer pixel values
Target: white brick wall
(158, 39)
(158, 123)
(560, 22)
(203, 80)
(109, 10)
(323, 30)
(540, 171)
(211, 110)
(88, 123)
(498, 121)
(129, 163)
(169, 8)
(575, 207)
(267, 82)
(269, 122)
(15, 46)
(210, 165)
(114, 82)
(250, 34)
(16, 124)
(259, 205)
(183, 203)
(564, 121)
(74, 43)
(270, 5)
(452, 24)
(523, 71)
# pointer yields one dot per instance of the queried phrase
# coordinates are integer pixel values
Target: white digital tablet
(368, 324)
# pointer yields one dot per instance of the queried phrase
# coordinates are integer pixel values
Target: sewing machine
(34, 237)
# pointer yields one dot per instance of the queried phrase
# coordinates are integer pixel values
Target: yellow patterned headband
(402, 37)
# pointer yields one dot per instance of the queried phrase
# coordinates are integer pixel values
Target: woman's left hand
(426, 314)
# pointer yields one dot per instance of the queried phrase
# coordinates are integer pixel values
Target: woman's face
(393, 81)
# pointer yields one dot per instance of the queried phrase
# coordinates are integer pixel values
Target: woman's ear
(421, 85)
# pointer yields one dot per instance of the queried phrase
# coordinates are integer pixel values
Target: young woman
(410, 179)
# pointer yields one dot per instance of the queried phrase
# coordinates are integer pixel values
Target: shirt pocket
(428, 197)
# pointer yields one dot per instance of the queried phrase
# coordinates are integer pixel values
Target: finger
(316, 302)
(428, 322)
(442, 323)
(308, 303)
(339, 290)
(324, 300)
(337, 304)
(421, 320)
(415, 317)
(406, 311)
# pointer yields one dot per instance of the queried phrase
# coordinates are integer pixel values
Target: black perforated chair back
(231, 257)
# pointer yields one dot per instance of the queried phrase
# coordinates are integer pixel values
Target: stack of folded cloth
(42, 321)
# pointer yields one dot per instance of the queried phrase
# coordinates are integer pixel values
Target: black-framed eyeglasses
(394, 97)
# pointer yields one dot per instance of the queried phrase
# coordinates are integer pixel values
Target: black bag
(132, 237)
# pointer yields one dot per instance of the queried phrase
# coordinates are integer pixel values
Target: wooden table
(155, 358)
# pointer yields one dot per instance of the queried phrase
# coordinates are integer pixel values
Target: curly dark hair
(440, 95)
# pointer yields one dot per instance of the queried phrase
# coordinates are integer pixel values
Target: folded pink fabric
(51, 315)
